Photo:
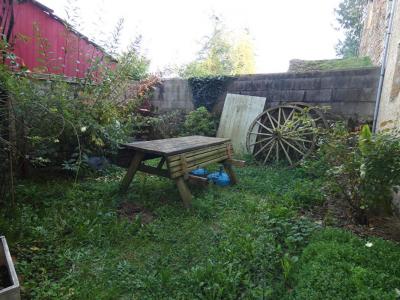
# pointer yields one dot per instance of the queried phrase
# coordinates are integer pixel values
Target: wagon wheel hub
(277, 133)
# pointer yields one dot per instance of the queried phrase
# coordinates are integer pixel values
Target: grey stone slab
(364, 81)
(322, 96)
(351, 95)
(355, 110)
(285, 95)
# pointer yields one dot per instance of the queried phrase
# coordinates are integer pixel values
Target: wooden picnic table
(180, 155)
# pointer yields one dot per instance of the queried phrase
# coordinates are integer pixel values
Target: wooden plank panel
(221, 152)
(199, 165)
(197, 161)
(238, 114)
(176, 145)
(197, 152)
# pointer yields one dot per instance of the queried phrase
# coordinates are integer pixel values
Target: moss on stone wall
(297, 65)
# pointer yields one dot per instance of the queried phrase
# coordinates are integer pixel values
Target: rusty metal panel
(238, 113)
(45, 44)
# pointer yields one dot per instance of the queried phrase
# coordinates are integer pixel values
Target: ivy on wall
(207, 90)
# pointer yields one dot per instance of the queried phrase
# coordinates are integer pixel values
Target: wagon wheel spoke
(269, 152)
(261, 141)
(263, 147)
(270, 119)
(286, 153)
(300, 132)
(301, 146)
(262, 125)
(300, 139)
(275, 120)
(279, 116)
(288, 118)
(295, 122)
(293, 147)
(284, 116)
(261, 133)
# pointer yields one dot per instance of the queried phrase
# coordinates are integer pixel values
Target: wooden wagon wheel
(282, 133)
(317, 115)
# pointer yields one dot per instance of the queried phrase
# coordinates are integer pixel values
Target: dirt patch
(133, 211)
(387, 228)
(5, 280)
(338, 213)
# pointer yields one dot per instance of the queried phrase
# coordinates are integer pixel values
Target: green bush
(361, 168)
(59, 123)
(380, 169)
(200, 122)
(162, 126)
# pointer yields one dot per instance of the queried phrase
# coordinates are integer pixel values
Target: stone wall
(172, 94)
(349, 93)
(373, 34)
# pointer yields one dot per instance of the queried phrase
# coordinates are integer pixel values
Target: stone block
(320, 96)
(285, 95)
(364, 81)
(355, 110)
(355, 94)
(336, 82)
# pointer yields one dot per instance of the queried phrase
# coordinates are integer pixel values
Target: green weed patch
(241, 242)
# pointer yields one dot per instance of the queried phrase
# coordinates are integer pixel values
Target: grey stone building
(372, 45)
(373, 34)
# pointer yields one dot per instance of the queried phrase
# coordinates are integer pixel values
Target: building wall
(349, 93)
(373, 34)
(43, 43)
(389, 111)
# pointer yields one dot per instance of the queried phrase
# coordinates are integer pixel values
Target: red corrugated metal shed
(43, 42)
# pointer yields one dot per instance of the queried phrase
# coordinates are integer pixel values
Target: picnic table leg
(184, 192)
(133, 167)
(229, 170)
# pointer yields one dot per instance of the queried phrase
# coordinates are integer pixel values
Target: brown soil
(5, 280)
(387, 228)
(338, 213)
(132, 211)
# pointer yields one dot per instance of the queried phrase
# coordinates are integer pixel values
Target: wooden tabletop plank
(175, 145)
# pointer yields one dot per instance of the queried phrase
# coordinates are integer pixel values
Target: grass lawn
(242, 242)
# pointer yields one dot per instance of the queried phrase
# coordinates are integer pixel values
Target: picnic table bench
(180, 155)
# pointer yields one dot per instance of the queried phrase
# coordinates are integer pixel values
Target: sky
(172, 30)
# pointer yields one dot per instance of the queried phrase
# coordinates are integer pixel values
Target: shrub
(200, 122)
(361, 168)
(380, 169)
(59, 123)
(163, 126)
